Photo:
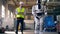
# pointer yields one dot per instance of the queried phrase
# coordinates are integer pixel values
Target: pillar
(6, 10)
(0, 13)
(0, 8)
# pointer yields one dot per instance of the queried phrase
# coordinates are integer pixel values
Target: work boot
(16, 32)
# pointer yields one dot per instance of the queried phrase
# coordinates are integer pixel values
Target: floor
(28, 32)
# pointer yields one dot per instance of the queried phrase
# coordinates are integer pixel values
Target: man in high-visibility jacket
(20, 12)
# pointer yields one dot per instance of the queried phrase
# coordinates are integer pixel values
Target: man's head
(21, 3)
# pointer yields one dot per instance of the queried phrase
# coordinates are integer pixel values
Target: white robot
(38, 17)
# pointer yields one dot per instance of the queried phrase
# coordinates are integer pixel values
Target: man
(58, 27)
(38, 14)
(20, 12)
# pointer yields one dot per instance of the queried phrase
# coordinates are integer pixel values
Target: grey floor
(28, 32)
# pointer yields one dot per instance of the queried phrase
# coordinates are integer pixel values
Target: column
(0, 13)
(6, 10)
(0, 8)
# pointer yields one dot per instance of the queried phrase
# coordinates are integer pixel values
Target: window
(3, 11)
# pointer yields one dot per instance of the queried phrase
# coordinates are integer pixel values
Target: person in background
(58, 27)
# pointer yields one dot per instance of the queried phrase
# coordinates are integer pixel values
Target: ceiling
(27, 3)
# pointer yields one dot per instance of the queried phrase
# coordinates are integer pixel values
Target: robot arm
(44, 9)
(33, 11)
(25, 12)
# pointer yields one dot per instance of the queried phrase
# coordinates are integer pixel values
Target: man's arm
(25, 12)
(15, 12)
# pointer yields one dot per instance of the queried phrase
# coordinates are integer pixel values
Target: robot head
(38, 1)
(39, 4)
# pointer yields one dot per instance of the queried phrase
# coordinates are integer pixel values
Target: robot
(38, 12)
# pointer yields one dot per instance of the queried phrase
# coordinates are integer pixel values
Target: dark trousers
(58, 32)
(19, 20)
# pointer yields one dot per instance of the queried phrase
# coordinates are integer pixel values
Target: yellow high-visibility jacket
(20, 12)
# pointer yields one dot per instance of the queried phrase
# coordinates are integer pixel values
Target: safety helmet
(21, 2)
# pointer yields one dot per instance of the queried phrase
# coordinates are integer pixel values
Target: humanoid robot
(38, 12)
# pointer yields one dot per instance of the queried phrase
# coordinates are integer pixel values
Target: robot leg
(36, 26)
